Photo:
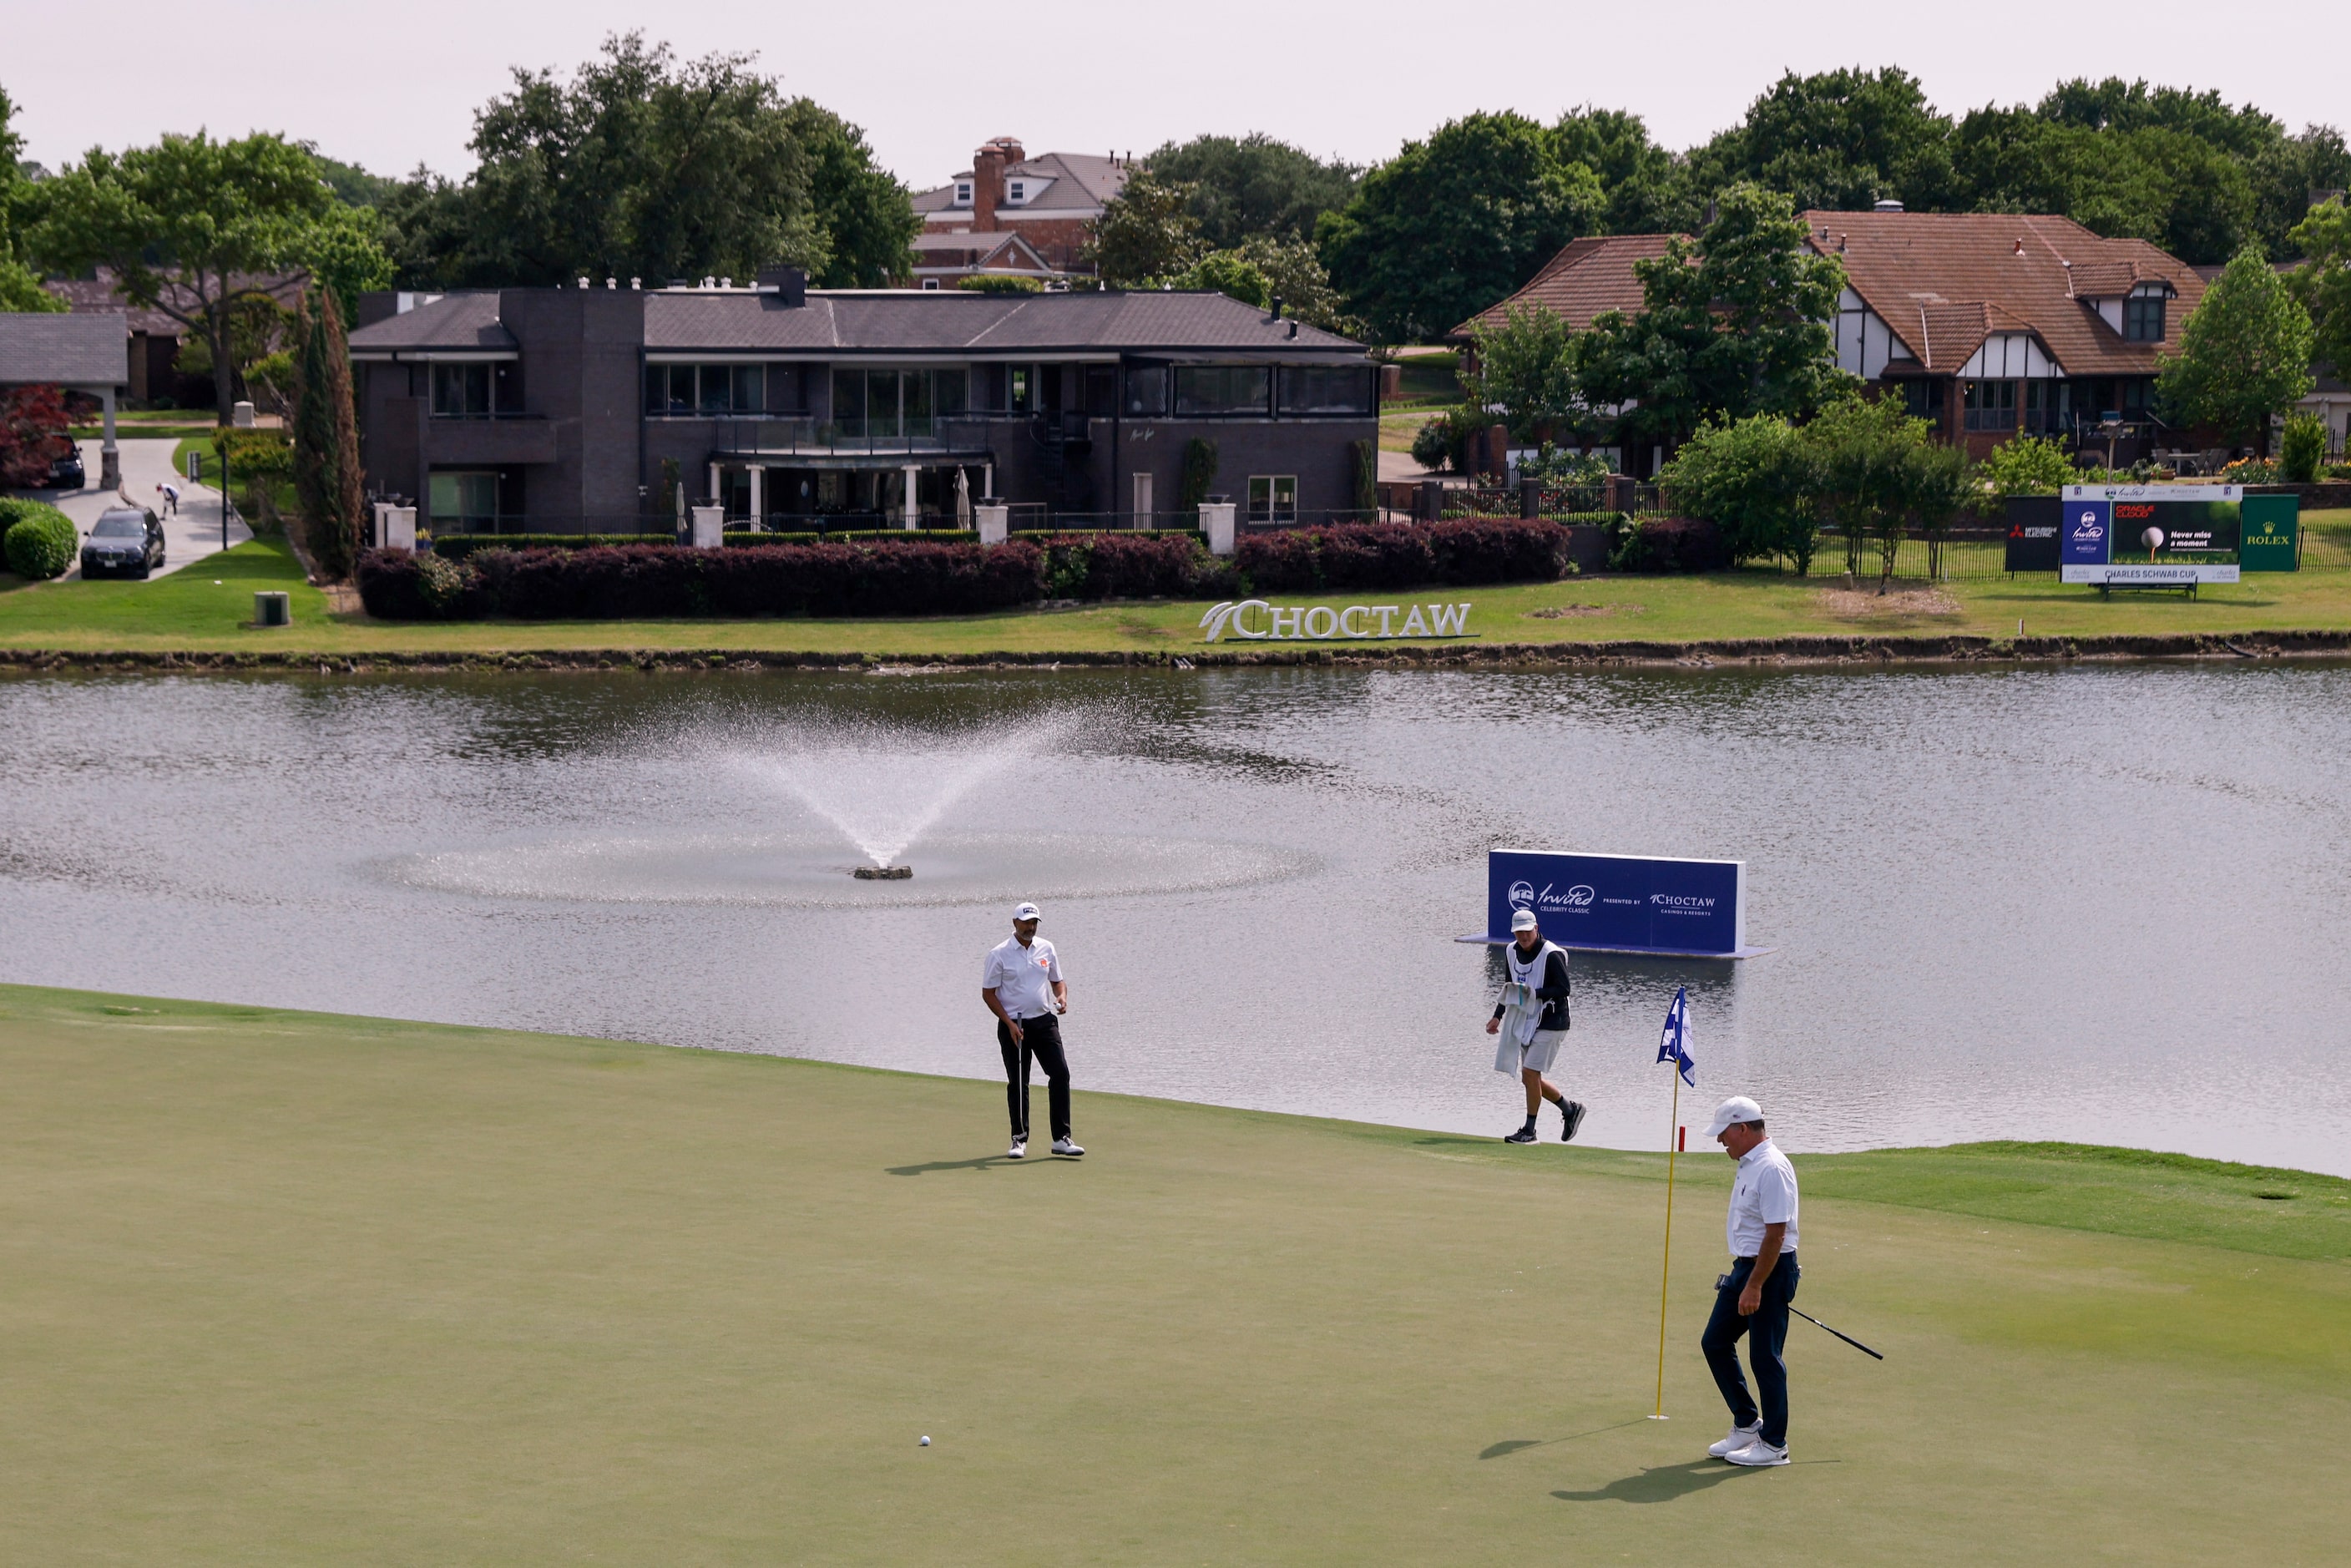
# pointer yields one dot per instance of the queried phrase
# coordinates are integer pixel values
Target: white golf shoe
(1758, 1454)
(1067, 1146)
(1018, 1151)
(1740, 1438)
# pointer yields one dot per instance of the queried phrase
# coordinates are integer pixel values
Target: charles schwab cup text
(1256, 620)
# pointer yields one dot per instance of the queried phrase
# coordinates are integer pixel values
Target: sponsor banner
(2184, 571)
(1254, 620)
(2271, 537)
(2229, 493)
(2086, 536)
(1628, 904)
(2033, 525)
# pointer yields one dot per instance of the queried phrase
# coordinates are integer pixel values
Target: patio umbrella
(963, 498)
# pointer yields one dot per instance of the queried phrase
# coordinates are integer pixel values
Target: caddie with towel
(1532, 1019)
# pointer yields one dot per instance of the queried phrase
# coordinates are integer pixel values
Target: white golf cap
(1737, 1108)
(1028, 912)
(1524, 920)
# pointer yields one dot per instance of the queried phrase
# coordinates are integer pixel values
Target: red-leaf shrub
(1404, 555)
(1134, 566)
(32, 435)
(1671, 545)
(665, 580)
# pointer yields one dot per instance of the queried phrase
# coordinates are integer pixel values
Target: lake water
(2101, 902)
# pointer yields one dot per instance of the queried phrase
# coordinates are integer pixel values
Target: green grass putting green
(283, 1287)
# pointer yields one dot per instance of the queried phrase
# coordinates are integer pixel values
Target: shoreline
(1796, 651)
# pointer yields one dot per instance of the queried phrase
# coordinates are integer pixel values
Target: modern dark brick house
(571, 409)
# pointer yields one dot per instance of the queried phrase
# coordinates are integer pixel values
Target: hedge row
(1671, 545)
(458, 547)
(1403, 555)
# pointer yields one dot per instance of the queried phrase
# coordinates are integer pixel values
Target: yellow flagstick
(1673, 1121)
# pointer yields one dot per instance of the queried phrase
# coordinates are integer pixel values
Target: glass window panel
(717, 389)
(1285, 497)
(1021, 378)
(881, 402)
(1260, 498)
(657, 388)
(1221, 389)
(1146, 391)
(1326, 389)
(914, 402)
(950, 393)
(848, 401)
(750, 388)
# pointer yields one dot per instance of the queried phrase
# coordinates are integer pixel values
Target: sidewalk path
(188, 538)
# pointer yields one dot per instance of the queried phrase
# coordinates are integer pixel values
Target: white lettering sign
(1254, 620)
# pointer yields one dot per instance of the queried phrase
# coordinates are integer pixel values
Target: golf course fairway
(281, 1287)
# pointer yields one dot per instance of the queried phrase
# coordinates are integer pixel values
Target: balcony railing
(789, 435)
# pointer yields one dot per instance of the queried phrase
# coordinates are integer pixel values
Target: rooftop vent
(2019, 250)
(1888, 204)
(710, 283)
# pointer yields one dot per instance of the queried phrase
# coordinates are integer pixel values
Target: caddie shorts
(1543, 1050)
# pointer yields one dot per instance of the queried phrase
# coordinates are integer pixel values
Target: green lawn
(282, 1286)
(186, 613)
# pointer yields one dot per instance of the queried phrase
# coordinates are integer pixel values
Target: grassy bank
(287, 1287)
(186, 614)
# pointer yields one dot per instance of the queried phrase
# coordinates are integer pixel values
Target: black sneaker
(1523, 1136)
(1574, 1111)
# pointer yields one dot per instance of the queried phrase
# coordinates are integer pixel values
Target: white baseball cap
(1737, 1108)
(1524, 920)
(1028, 912)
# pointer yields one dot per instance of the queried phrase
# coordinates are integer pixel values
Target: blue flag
(1673, 1045)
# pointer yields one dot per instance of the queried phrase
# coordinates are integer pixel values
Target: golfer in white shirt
(1753, 1299)
(1021, 984)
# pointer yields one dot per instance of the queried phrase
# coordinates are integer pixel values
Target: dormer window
(963, 193)
(1016, 191)
(2143, 318)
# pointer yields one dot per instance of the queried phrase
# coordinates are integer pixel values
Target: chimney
(987, 187)
(2020, 248)
(790, 284)
(1277, 307)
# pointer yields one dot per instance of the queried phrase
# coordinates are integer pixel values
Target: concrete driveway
(188, 538)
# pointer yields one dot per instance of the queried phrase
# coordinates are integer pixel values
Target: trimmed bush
(1663, 545)
(15, 509)
(1133, 565)
(458, 547)
(41, 540)
(665, 580)
(1404, 555)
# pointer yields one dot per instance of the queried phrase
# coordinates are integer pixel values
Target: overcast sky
(389, 85)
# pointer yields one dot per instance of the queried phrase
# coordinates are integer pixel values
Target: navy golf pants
(1767, 1339)
(1041, 1041)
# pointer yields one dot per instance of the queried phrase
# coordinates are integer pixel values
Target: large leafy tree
(1524, 370)
(1253, 187)
(2244, 353)
(1646, 188)
(639, 165)
(1145, 232)
(1453, 224)
(2322, 281)
(219, 220)
(1839, 139)
(1735, 325)
(20, 288)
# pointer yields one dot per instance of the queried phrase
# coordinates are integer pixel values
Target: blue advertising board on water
(1621, 903)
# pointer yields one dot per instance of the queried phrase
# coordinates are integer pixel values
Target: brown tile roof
(98, 294)
(1587, 279)
(1945, 281)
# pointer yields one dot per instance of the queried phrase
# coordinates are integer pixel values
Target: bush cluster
(38, 541)
(1133, 565)
(1670, 545)
(665, 580)
(458, 547)
(1403, 555)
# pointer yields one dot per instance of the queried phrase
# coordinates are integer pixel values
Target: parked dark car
(125, 541)
(67, 473)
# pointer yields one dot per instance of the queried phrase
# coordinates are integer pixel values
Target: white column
(758, 496)
(110, 466)
(987, 479)
(913, 518)
(716, 495)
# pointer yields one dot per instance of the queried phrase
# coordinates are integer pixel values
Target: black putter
(1846, 1337)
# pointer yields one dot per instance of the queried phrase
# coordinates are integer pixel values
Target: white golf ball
(926, 1442)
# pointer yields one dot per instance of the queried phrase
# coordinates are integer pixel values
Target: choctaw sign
(1257, 620)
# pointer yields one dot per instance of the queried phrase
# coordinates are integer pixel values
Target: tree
(219, 219)
(1937, 484)
(1253, 187)
(1838, 139)
(1753, 479)
(1525, 371)
(2303, 446)
(2323, 282)
(2244, 353)
(1734, 326)
(32, 434)
(1858, 454)
(327, 472)
(1294, 274)
(2025, 466)
(1229, 273)
(20, 289)
(1453, 224)
(868, 219)
(1645, 188)
(1145, 232)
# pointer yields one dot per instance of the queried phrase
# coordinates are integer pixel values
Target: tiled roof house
(1013, 215)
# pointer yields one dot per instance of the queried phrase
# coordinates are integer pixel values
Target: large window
(895, 403)
(679, 390)
(1221, 389)
(474, 390)
(1146, 391)
(1923, 399)
(2044, 408)
(1991, 406)
(2143, 318)
(1273, 498)
(465, 502)
(1326, 389)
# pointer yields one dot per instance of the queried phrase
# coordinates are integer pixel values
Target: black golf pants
(1040, 1040)
(1767, 1338)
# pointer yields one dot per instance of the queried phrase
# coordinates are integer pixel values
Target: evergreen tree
(327, 472)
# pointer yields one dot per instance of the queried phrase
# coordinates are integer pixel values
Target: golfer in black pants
(1021, 984)
(1751, 1301)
